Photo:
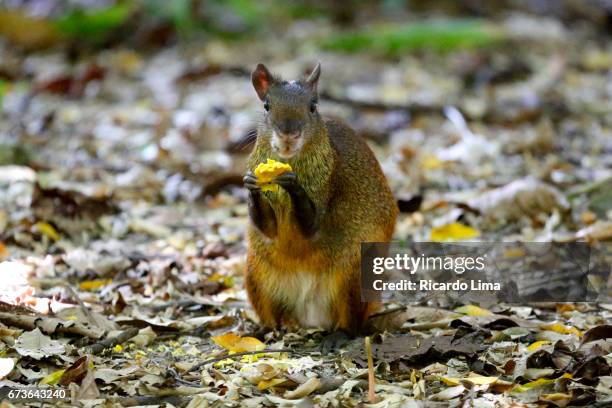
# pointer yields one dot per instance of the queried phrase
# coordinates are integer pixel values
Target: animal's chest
(307, 297)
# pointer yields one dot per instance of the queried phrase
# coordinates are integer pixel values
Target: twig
(50, 325)
(85, 309)
(441, 324)
(372, 398)
(388, 311)
(244, 353)
(113, 341)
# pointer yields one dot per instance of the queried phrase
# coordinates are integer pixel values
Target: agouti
(303, 261)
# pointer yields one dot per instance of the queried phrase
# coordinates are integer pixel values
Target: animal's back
(360, 187)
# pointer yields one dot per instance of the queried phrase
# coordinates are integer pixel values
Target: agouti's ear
(313, 79)
(262, 79)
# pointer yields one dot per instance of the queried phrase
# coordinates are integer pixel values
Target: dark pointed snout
(290, 127)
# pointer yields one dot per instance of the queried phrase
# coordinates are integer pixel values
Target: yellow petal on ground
(47, 230)
(536, 345)
(268, 171)
(95, 284)
(53, 378)
(472, 310)
(450, 381)
(236, 344)
(474, 379)
(453, 232)
(481, 380)
(562, 329)
(540, 382)
(559, 397)
(264, 385)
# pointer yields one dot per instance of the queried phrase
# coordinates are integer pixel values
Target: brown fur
(342, 177)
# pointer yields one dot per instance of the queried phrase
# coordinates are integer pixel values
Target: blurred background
(121, 113)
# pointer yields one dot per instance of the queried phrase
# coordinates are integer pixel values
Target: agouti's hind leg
(350, 312)
(269, 316)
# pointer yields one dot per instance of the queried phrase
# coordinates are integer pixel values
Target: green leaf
(94, 25)
(440, 35)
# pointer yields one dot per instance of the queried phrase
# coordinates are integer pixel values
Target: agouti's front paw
(288, 181)
(250, 182)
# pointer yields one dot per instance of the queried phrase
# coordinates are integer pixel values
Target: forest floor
(122, 217)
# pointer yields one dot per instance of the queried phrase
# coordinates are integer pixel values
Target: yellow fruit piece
(118, 348)
(536, 345)
(453, 232)
(94, 284)
(559, 328)
(268, 171)
(236, 344)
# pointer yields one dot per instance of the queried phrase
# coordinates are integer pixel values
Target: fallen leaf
(75, 373)
(453, 232)
(36, 345)
(562, 329)
(88, 390)
(540, 382)
(473, 378)
(537, 344)
(525, 197)
(558, 399)
(265, 384)
(144, 337)
(305, 389)
(94, 284)
(236, 344)
(449, 393)
(6, 366)
(535, 373)
(47, 230)
(603, 331)
(53, 378)
(600, 231)
(472, 310)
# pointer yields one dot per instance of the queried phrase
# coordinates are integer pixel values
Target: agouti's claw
(286, 180)
(250, 182)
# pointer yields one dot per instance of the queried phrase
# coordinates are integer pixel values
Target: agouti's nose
(289, 128)
(288, 137)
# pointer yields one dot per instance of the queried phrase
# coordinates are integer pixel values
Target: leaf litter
(122, 218)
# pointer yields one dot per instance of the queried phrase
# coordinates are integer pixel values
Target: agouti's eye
(313, 106)
(266, 106)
